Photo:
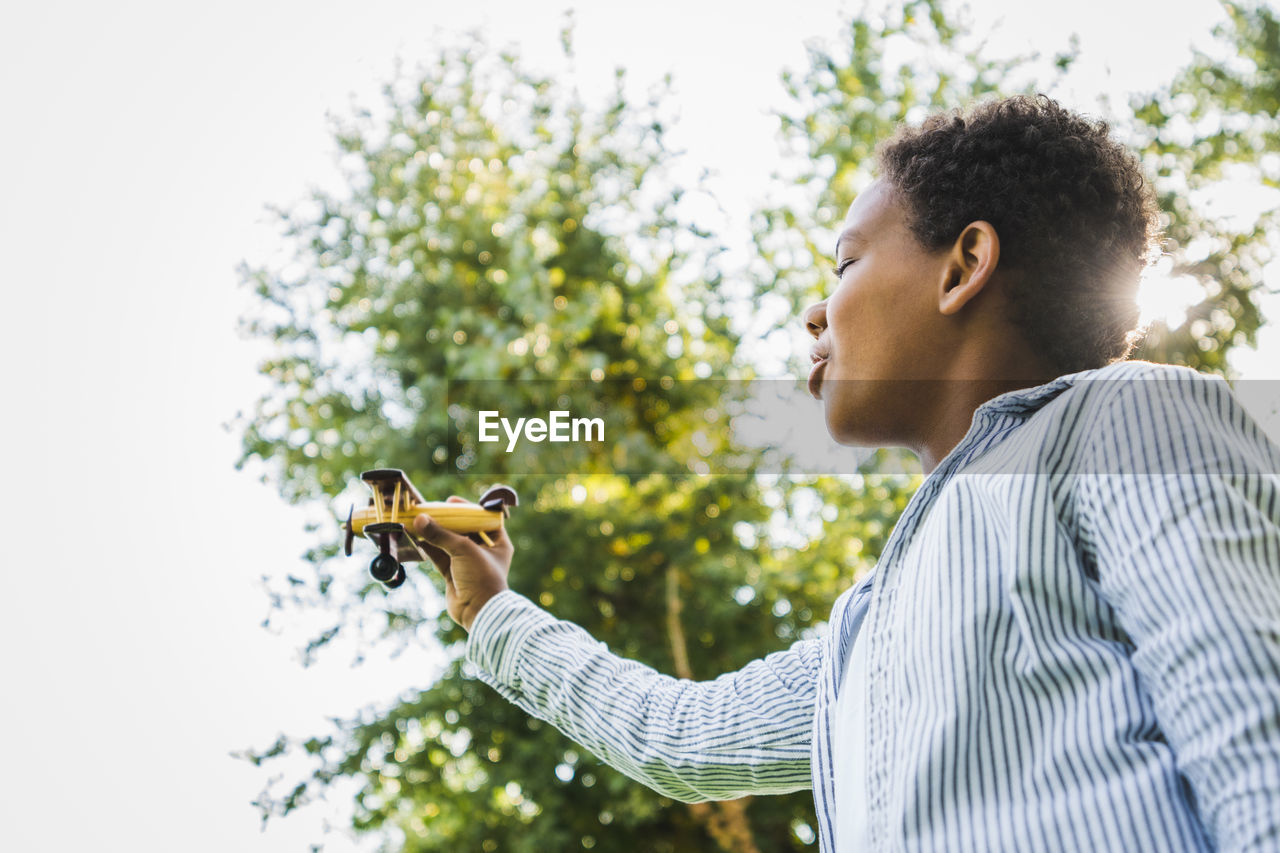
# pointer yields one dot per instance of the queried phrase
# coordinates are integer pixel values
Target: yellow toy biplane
(387, 521)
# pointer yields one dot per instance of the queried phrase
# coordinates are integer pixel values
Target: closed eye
(842, 266)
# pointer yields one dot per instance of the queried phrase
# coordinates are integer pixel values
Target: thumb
(428, 529)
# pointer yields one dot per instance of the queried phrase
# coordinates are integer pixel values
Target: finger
(429, 530)
(454, 499)
(501, 541)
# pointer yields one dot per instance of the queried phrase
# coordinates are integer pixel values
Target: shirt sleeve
(746, 732)
(1184, 509)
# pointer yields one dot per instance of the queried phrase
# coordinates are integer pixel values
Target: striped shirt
(1072, 643)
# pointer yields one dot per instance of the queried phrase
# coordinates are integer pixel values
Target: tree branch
(726, 821)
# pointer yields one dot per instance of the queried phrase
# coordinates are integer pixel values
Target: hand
(473, 573)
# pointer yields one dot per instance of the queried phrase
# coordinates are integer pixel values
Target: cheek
(848, 316)
(841, 313)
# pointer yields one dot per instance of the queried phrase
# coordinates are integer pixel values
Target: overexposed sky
(141, 144)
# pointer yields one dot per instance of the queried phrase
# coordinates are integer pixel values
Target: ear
(970, 265)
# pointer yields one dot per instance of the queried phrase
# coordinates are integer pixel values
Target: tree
(497, 228)
(502, 238)
(1216, 121)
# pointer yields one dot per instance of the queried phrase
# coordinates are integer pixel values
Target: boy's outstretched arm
(747, 732)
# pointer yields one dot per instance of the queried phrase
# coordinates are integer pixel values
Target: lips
(818, 355)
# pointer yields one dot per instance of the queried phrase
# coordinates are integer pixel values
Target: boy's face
(877, 333)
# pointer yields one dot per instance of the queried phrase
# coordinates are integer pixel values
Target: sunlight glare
(1166, 297)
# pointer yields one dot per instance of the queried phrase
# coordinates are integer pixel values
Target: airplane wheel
(384, 568)
(397, 579)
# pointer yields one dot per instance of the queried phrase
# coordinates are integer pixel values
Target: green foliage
(495, 227)
(1217, 121)
(888, 70)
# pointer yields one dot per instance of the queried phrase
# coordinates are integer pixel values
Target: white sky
(141, 142)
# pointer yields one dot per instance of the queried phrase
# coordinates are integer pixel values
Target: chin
(844, 426)
(854, 425)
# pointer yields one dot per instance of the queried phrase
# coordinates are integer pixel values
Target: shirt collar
(1030, 400)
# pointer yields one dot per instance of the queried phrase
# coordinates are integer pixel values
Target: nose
(815, 318)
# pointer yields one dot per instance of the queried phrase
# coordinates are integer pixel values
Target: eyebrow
(851, 235)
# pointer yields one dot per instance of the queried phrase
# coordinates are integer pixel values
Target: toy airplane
(388, 520)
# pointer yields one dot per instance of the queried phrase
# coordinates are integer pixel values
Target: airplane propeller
(351, 534)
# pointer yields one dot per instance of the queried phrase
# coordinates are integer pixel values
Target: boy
(1071, 640)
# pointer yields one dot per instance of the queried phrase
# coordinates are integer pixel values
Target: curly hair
(1075, 217)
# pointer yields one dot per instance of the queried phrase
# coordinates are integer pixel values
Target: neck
(953, 410)
(972, 379)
